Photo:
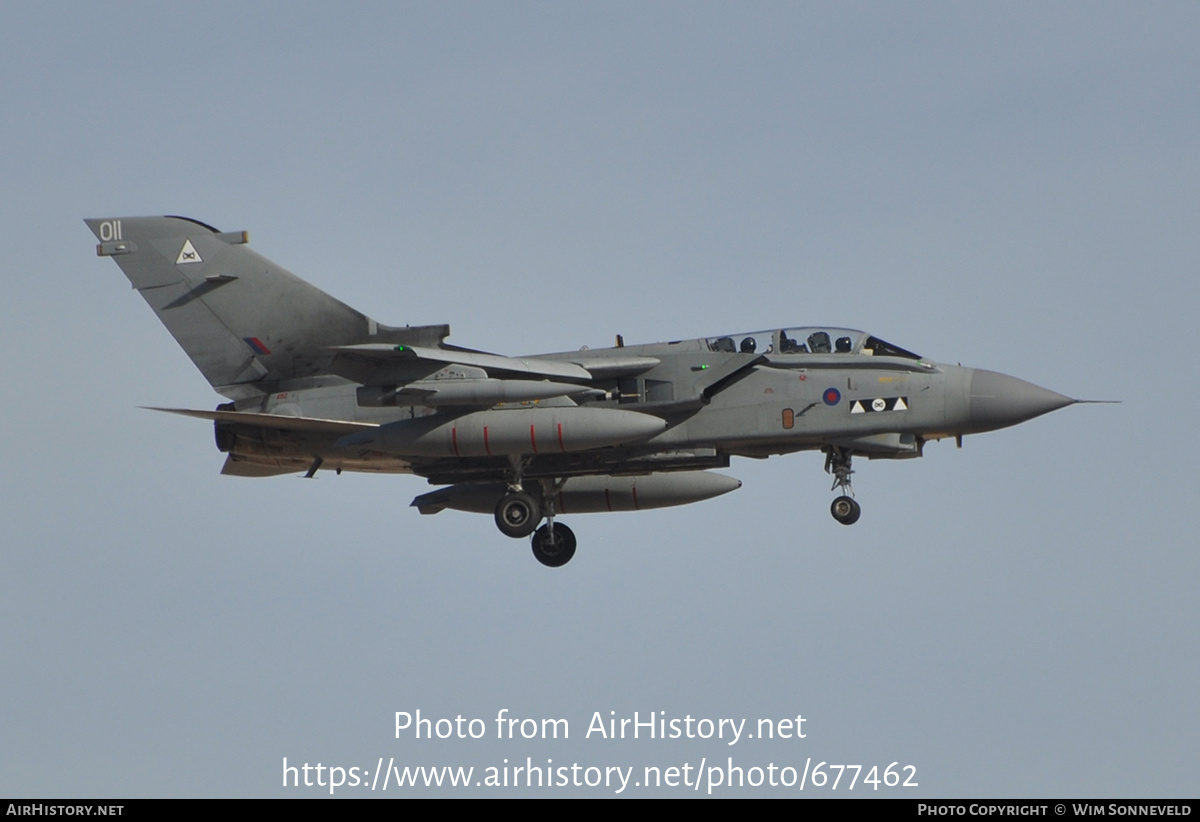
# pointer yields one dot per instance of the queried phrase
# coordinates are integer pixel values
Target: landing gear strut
(553, 544)
(837, 462)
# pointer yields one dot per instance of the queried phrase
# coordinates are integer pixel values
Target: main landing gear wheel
(845, 510)
(554, 546)
(517, 514)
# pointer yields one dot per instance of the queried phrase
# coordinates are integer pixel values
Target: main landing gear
(519, 512)
(554, 544)
(837, 462)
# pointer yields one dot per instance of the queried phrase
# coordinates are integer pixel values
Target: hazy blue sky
(1011, 186)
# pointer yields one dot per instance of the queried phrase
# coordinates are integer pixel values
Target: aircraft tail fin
(246, 323)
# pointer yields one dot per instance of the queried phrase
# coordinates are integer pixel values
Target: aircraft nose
(998, 400)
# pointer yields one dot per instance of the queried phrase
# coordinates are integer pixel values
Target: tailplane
(246, 323)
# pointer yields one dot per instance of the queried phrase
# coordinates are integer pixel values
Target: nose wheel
(845, 510)
(837, 462)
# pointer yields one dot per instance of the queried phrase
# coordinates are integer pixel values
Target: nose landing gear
(845, 510)
(837, 462)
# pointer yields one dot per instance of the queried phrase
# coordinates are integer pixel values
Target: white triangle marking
(188, 254)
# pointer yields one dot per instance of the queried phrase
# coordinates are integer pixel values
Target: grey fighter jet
(315, 385)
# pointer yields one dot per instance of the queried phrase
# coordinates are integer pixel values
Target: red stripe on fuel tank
(561, 446)
(486, 446)
(532, 438)
(454, 439)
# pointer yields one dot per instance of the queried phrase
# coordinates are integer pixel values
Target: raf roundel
(832, 396)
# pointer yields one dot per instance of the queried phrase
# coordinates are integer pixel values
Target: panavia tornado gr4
(315, 385)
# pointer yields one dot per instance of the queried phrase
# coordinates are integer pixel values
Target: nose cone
(998, 401)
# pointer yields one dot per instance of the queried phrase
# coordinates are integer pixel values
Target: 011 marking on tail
(314, 384)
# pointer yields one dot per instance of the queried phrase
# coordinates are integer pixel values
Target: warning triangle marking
(901, 405)
(188, 254)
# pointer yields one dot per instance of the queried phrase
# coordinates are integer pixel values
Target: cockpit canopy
(808, 340)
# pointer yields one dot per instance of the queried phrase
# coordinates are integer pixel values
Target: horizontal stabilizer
(244, 468)
(287, 423)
